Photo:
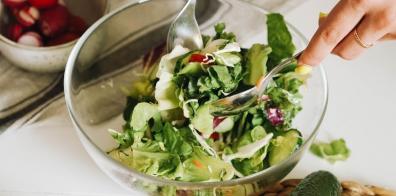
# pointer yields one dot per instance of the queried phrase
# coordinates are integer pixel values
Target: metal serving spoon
(184, 30)
(242, 101)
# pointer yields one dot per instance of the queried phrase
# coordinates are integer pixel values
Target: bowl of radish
(38, 35)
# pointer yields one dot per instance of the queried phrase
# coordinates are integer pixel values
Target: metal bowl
(53, 58)
(107, 57)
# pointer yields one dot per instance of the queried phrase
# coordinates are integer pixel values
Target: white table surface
(46, 157)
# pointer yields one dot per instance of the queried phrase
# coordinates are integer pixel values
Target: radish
(31, 39)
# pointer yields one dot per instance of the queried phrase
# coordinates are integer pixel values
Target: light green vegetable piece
(334, 151)
(149, 159)
(251, 151)
(279, 39)
(174, 142)
(203, 121)
(227, 59)
(142, 113)
(202, 167)
(165, 92)
(192, 68)
(123, 156)
(257, 57)
(284, 145)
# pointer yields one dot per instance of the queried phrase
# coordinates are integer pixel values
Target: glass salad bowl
(109, 57)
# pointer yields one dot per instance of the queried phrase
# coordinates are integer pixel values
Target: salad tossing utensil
(242, 101)
(184, 30)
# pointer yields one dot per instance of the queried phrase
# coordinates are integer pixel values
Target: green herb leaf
(174, 142)
(279, 39)
(334, 151)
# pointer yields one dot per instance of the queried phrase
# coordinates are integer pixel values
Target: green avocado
(321, 183)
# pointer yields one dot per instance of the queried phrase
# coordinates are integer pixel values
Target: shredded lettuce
(336, 150)
(201, 167)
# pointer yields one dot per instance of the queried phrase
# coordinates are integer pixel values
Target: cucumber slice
(284, 145)
(191, 69)
(203, 121)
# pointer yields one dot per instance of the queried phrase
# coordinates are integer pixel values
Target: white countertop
(361, 110)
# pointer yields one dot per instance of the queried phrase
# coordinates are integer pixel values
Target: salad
(169, 131)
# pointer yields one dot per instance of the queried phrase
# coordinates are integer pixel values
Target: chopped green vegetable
(284, 145)
(165, 92)
(202, 167)
(256, 63)
(173, 141)
(334, 151)
(203, 121)
(279, 39)
(141, 114)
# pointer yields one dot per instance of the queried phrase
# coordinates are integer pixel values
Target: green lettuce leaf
(227, 59)
(334, 151)
(251, 150)
(257, 57)
(148, 158)
(155, 163)
(279, 39)
(174, 142)
(222, 75)
(202, 167)
(124, 139)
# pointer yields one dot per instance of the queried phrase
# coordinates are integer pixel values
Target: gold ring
(359, 41)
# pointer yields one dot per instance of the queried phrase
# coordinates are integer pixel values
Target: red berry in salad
(27, 16)
(14, 3)
(15, 31)
(41, 4)
(31, 39)
(54, 21)
(61, 39)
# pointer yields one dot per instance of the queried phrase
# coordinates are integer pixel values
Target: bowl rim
(160, 181)
(12, 43)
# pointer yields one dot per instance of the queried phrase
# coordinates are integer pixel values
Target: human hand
(350, 28)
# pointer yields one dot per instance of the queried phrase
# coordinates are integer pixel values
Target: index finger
(340, 21)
